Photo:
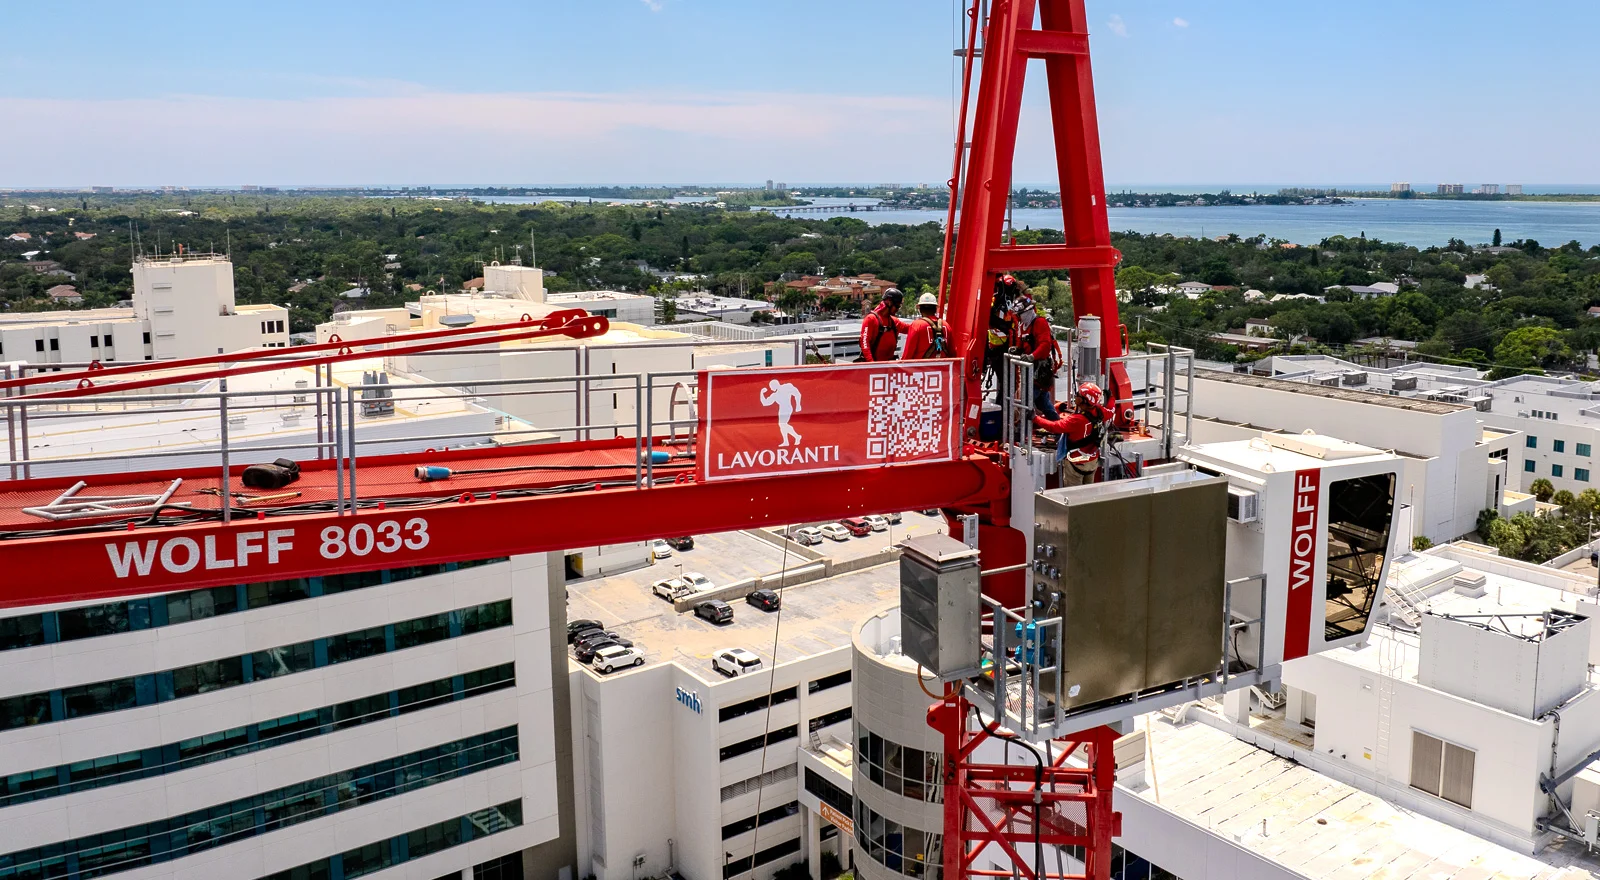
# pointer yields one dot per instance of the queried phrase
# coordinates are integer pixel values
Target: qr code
(906, 414)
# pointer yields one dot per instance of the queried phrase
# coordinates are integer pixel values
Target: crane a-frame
(353, 512)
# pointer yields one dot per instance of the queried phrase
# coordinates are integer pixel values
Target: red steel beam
(79, 566)
(99, 373)
(1038, 257)
(1041, 44)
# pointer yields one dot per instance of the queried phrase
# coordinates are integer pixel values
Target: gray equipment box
(1140, 576)
(939, 606)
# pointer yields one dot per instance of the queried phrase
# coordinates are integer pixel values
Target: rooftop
(817, 616)
(1316, 826)
(1435, 407)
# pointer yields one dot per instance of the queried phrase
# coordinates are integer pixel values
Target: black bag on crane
(271, 476)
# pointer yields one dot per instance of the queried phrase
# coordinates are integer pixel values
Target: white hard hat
(928, 299)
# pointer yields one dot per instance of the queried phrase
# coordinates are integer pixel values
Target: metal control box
(939, 605)
(1135, 568)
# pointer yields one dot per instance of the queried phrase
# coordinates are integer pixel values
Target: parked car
(584, 650)
(698, 582)
(660, 549)
(807, 536)
(614, 657)
(766, 600)
(715, 611)
(599, 638)
(685, 542)
(834, 531)
(574, 627)
(857, 526)
(671, 589)
(932, 512)
(892, 517)
(735, 661)
(877, 523)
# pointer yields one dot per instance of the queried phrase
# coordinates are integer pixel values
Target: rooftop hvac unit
(1243, 505)
(1327, 381)
(1405, 383)
(1481, 404)
(1355, 377)
(1471, 584)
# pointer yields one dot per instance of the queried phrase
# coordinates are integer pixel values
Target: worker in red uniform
(881, 328)
(1079, 433)
(928, 337)
(1032, 337)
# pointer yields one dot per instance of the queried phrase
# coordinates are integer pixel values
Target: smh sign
(690, 699)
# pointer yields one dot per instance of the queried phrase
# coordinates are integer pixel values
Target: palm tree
(1542, 489)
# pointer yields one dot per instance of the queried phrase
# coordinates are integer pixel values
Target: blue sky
(1190, 91)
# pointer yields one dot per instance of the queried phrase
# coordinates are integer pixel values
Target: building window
(508, 867)
(1360, 513)
(1555, 470)
(159, 687)
(147, 337)
(94, 342)
(828, 681)
(1558, 445)
(38, 345)
(55, 345)
(828, 793)
(113, 618)
(1580, 474)
(421, 842)
(739, 710)
(765, 817)
(902, 770)
(207, 748)
(1531, 442)
(107, 339)
(1442, 769)
(770, 854)
(830, 719)
(743, 747)
(900, 848)
(1528, 466)
(125, 849)
(1583, 449)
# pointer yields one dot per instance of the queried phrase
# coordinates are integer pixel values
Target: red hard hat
(1007, 279)
(1092, 393)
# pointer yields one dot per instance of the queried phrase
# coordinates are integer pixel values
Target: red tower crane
(529, 500)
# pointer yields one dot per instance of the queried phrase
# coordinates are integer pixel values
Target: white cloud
(655, 5)
(1118, 26)
(1181, 22)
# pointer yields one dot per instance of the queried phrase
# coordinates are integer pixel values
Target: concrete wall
(1510, 751)
(1505, 672)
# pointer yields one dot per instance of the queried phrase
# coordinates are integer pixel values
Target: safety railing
(1167, 395)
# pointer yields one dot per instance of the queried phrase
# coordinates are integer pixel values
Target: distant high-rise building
(1399, 187)
(1513, 189)
(103, 189)
(769, 184)
(783, 186)
(1491, 189)
(1452, 189)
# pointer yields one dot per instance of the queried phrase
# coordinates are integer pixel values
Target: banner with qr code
(828, 417)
